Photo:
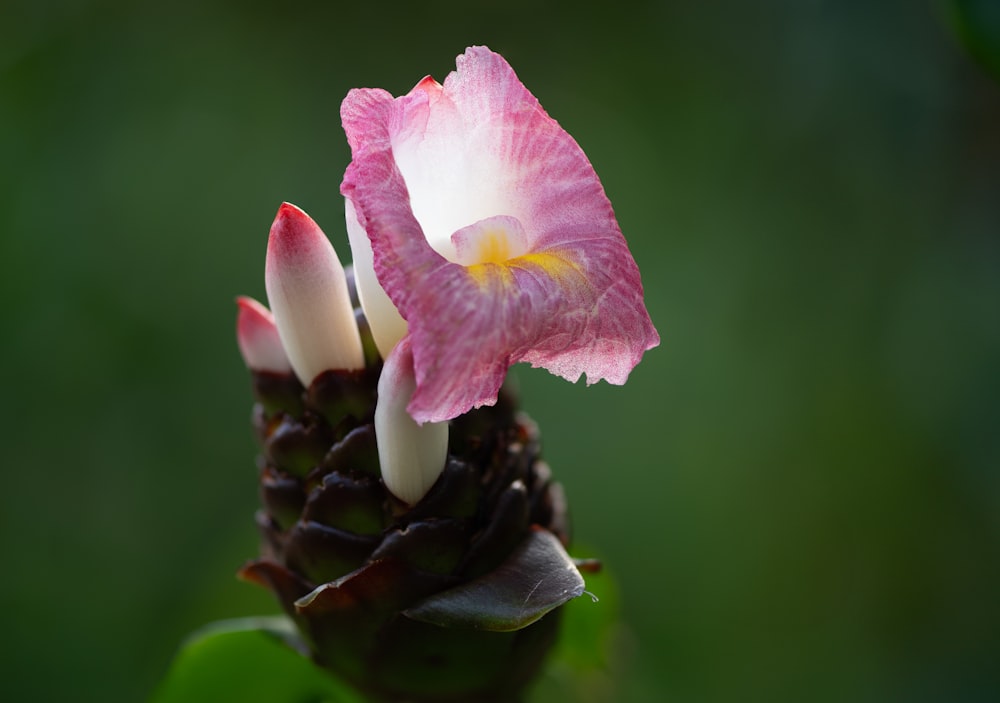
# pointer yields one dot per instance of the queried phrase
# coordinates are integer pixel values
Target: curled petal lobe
(257, 337)
(490, 241)
(491, 235)
(411, 456)
(307, 290)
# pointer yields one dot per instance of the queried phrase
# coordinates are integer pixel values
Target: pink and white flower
(476, 219)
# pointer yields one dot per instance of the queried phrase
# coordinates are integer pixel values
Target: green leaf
(537, 577)
(249, 660)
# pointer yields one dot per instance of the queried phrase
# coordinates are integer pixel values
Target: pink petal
(430, 165)
(258, 338)
(307, 291)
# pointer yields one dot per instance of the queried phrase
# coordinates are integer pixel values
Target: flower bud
(387, 325)
(258, 338)
(307, 291)
(412, 456)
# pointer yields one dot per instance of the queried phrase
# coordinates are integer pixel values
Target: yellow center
(493, 247)
(497, 269)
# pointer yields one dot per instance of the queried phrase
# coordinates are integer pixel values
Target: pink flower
(492, 237)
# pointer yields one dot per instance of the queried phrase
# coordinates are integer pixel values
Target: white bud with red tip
(387, 325)
(412, 456)
(308, 294)
(257, 337)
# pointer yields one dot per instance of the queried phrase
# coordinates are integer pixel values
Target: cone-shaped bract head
(409, 527)
(386, 592)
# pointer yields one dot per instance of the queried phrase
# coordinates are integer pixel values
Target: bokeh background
(798, 492)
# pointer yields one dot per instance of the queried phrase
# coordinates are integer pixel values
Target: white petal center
(454, 175)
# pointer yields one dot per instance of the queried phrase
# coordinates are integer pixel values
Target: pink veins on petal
(492, 236)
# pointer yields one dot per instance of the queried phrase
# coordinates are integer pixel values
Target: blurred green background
(798, 492)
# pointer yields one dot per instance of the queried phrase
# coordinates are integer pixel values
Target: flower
(416, 538)
(489, 233)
